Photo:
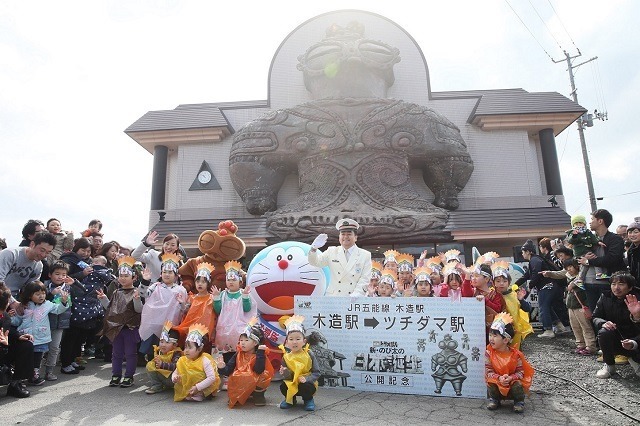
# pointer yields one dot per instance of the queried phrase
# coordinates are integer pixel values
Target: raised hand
(146, 274)
(319, 241)
(215, 291)
(152, 238)
(100, 294)
(246, 290)
(136, 294)
(633, 305)
(4, 337)
(64, 296)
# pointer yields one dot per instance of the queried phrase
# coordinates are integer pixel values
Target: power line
(563, 27)
(566, 139)
(525, 25)
(620, 195)
(597, 66)
(545, 25)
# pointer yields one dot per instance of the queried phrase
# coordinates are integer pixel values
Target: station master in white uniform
(350, 265)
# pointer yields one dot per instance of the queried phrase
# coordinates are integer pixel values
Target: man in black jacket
(549, 291)
(612, 260)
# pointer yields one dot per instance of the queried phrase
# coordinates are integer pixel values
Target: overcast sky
(75, 74)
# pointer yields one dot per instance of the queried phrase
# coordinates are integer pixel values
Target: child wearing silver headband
(196, 375)
(165, 359)
(165, 301)
(507, 371)
(249, 371)
(235, 308)
(300, 371)
(121, 323)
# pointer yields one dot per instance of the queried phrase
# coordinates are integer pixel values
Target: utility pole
(582, 123)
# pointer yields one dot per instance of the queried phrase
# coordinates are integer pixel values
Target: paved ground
(85, 399)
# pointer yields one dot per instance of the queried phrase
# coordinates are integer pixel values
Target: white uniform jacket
(347, 278)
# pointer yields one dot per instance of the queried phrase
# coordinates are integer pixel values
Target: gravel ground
(555, 356)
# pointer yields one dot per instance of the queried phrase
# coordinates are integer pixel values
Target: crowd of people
(73, 298)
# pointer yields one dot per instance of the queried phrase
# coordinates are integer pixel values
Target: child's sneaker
(518, 407)
(154, 389)
(559, 328)
(285, 405)
(548, 334)
(310, 405)
(50, 377)
(78, 366)
(127, 382)
(115, 381)
(225, 381)
(36, 380)
(69, 370)
(258, 399)
(493, 404)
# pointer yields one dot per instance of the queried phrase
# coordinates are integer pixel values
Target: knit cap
(578, 218)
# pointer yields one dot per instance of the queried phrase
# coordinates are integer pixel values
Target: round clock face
(204, 177)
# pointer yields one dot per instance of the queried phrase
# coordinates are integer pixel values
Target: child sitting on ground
(196, 374)
(249, 372)
(165, 359)
(299, 370)
(507, 371)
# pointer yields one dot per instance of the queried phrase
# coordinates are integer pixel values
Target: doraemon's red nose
(283, 264)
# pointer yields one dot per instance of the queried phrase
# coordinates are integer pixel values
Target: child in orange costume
(200, 304)
(507, 371)
(249, 373)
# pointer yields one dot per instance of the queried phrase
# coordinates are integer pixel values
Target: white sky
(75, 74)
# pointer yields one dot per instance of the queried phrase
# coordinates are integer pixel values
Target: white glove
(319, 241)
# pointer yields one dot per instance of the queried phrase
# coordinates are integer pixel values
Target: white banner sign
(420, 346)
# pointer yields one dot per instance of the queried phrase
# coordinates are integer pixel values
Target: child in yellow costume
(502, 284)
(165, 359)
(507, 371)
(249, 371)
(299, 367)
(196, 374)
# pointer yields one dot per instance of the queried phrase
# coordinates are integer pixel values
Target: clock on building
(204, 177)
(205, 180)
